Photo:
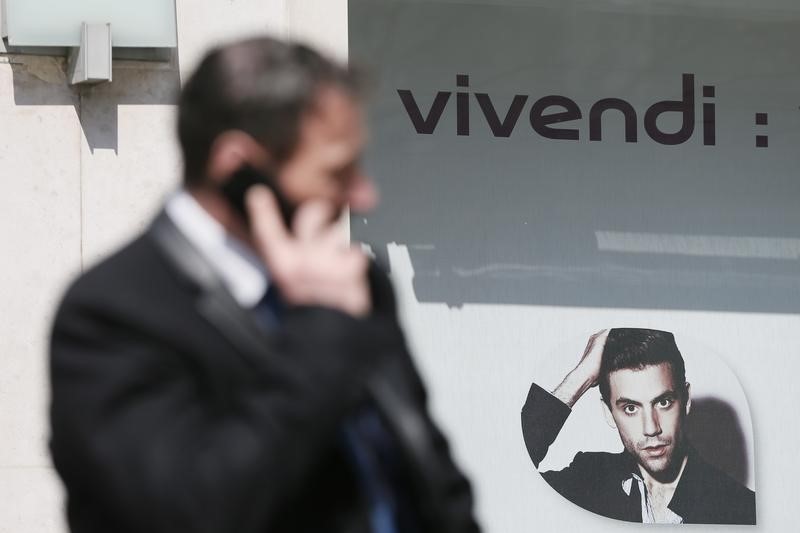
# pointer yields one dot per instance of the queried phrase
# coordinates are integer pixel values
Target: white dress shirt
(648, 515)
(240, 270)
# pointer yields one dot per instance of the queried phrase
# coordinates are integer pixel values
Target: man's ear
(607, 415)
(688, 398)
(230, 151)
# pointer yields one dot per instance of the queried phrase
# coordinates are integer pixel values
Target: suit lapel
(689, 492)
(213, 301)
(620, 505)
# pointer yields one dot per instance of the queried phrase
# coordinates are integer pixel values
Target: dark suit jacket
(173, 412)
(593, 480)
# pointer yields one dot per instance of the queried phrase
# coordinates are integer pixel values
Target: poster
(550, 169)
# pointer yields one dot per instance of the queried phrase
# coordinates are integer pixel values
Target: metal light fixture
(91, 32)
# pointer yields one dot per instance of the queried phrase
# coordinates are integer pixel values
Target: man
(659, 477)
(225, 372)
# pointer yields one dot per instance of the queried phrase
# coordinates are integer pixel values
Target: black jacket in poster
(594, 480)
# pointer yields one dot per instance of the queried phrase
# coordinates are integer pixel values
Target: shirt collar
(240, 270)
(648, 516)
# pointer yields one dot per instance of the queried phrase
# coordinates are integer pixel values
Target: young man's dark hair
(637, 348)
(260, 86)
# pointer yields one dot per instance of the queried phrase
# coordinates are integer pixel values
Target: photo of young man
(659, 477)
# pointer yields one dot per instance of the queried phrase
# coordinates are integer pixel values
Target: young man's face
(327, 162)
(649, 410)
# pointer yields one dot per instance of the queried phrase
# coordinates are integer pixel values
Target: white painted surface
(125, 180)
(40, 243)
(320, 24)
(206, 23)
(30, 501)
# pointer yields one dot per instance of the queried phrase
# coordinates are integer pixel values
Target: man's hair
(261, 86)
(636, 348)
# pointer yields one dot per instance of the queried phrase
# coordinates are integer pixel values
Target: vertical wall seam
(80, 178)
(287, 20)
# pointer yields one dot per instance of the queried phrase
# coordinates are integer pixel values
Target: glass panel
(604, 153)
(143, 23)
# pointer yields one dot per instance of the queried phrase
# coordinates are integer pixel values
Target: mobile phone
(236, 188)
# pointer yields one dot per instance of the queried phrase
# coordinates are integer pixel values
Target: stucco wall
(82, 170)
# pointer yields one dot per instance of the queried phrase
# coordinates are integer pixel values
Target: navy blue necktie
(366, 441)
(269, 309)
(372, 451)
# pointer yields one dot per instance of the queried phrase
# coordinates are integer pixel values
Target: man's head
(643, 383)
(282, 109)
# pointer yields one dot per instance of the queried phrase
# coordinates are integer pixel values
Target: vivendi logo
(547, 115)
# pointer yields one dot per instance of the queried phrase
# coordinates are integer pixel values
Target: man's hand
(584, 376)
(313, 265)
(589, 366)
